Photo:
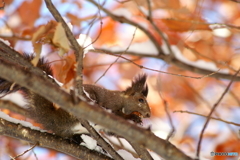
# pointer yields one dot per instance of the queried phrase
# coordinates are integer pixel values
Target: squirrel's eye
(141, 100)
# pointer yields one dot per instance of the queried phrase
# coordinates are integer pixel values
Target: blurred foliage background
(202, 31)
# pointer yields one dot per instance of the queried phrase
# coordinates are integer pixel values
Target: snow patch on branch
(146, 47)
(5, 41)
(122, 12)
(17, 121)
(199, 63)
(86, 42)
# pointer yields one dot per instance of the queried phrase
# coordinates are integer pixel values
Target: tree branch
(218, 119)
(92, 113)
(77, 48)
(12, 107)
(122, 19)
(211, 112)
(173, 61)
(100, 140)
(48, 140)
(141, 151)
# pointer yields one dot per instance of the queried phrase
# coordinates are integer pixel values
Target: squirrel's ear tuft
(145, 90)
(138, 85)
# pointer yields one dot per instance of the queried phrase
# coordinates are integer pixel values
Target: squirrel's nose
(147, 115)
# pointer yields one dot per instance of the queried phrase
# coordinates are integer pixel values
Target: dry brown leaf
(42, 35)
(60, 39)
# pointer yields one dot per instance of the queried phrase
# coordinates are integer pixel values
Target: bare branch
(48, 140)
(125, 20)
(218, 119)
(194, 69)
(118, 56)
(25, 151)
(12, 107)
(100, 140)
(165, 103)
(141, 151)
(211, 112)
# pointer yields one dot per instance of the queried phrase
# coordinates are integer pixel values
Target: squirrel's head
(136, 97)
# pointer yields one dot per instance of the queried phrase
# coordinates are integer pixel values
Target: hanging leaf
(60, 39)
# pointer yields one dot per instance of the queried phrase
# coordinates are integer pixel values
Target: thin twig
(100, 140)
(209, 105)
(176, 62)
(120, 145)
(122, 19)
(194, 51)
(155, 70)
(77, 48)
(141, 151)
(218, 119)
(209, 115)
(167, 112)
(107, 64)
(25, 151)
(170, 120)
(118, 56)
(160, 33)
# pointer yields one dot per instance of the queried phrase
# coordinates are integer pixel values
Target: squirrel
(130, 104)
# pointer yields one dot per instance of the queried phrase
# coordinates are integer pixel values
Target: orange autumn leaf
(183, 25)
(29, 11)
(108, 29)
(64, 71)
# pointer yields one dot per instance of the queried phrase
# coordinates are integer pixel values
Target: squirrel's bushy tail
(40, 109)
(10, 87)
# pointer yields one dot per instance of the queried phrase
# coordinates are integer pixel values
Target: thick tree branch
(95, 114)
(48, 140)
(12, 56)
(12, 107)
(173, 61)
